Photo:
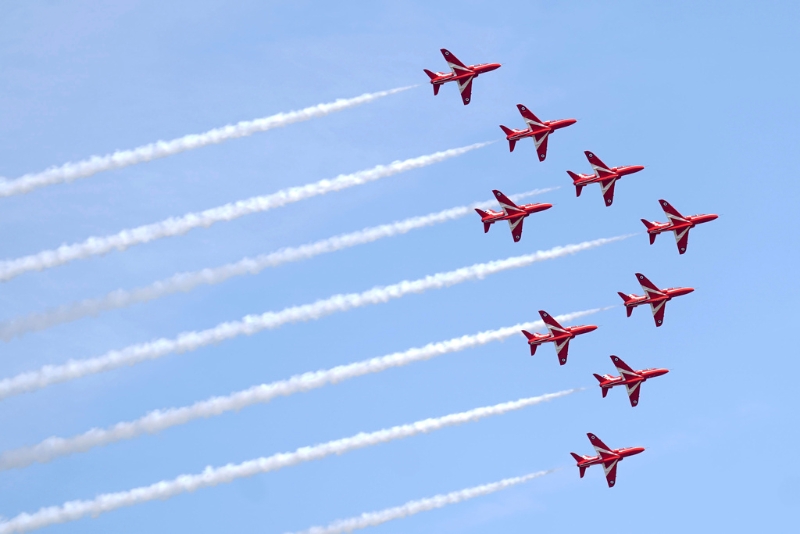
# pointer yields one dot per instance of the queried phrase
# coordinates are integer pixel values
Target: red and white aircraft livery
(460, 73)
(678, 223)
(559, 335)
(606, 456)
(511, 212)
(603, 174)
(538, 129)
(629, 378)
(655, 297)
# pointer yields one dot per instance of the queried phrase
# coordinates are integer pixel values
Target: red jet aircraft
(511, 212)
(628, 377)
(538, 129)
(559, 335)
(655, 297)
(677, 223)
(605, 455)
(603, 174)
(460, 73)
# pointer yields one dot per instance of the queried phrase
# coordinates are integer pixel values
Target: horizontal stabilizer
(599, 378)
(430, 74)
(506, 130)
(436, 87)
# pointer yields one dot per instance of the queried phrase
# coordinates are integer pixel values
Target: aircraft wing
(602, 449)
(454, 63)
(622, 367)
(505, 202)
(658, 311)
(607, 187)
(465, 86)
(562, 350)
(671, 213)
(633, 393)
(682, 239)
(541, 144)
(516, 228)
(600, 169)
(610, 467)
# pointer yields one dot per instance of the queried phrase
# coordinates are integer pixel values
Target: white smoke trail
(95, 246)
(373, 519)
(212, 476)
(158, 420)
(161, 149)
(189, 280)
(250, 324)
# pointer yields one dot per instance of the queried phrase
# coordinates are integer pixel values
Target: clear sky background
(703, 94)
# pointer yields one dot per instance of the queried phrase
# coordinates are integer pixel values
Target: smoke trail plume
(161, 149)
(250, 324)
(212, 476)
(158, 420)
(373, 519)
(183, 282)
(96, 246)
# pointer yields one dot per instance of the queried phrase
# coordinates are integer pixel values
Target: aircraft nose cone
(570, 122)
(544, 206)
(635, 168)
(590, 328)
(636, 450)
(688, 290)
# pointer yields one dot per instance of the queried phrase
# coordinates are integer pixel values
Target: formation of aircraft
(655, 297)
(679, 224)
(606, 456)
(538, 129)
(459, 73)
(607, 177)
(632, 380)
(512, 213)
(559, 336)
(603, 174)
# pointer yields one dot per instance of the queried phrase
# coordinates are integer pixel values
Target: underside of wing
(682, 239)
(658, 311)
(516, 228)
(611, 472)
(541, 144)
(465, 86)
(607, 186)
(562, 350)
(633, 393)
(454, 63)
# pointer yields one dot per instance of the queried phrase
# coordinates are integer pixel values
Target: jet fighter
(655, 297)
(538, 129)
(628, 377)
(460, 73)
(559, 335)
(603, 174)
(605, 455)
(511, 212)
(679, 224)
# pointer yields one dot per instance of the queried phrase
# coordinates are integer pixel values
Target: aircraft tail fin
(486, 225)
(508, 131)
(430, 74)
(579, 458)
(599, 378)
(575, 179)
(626, 299)
(528, 335)
(650, 225)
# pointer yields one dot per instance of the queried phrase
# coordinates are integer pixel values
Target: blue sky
(703, 95)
